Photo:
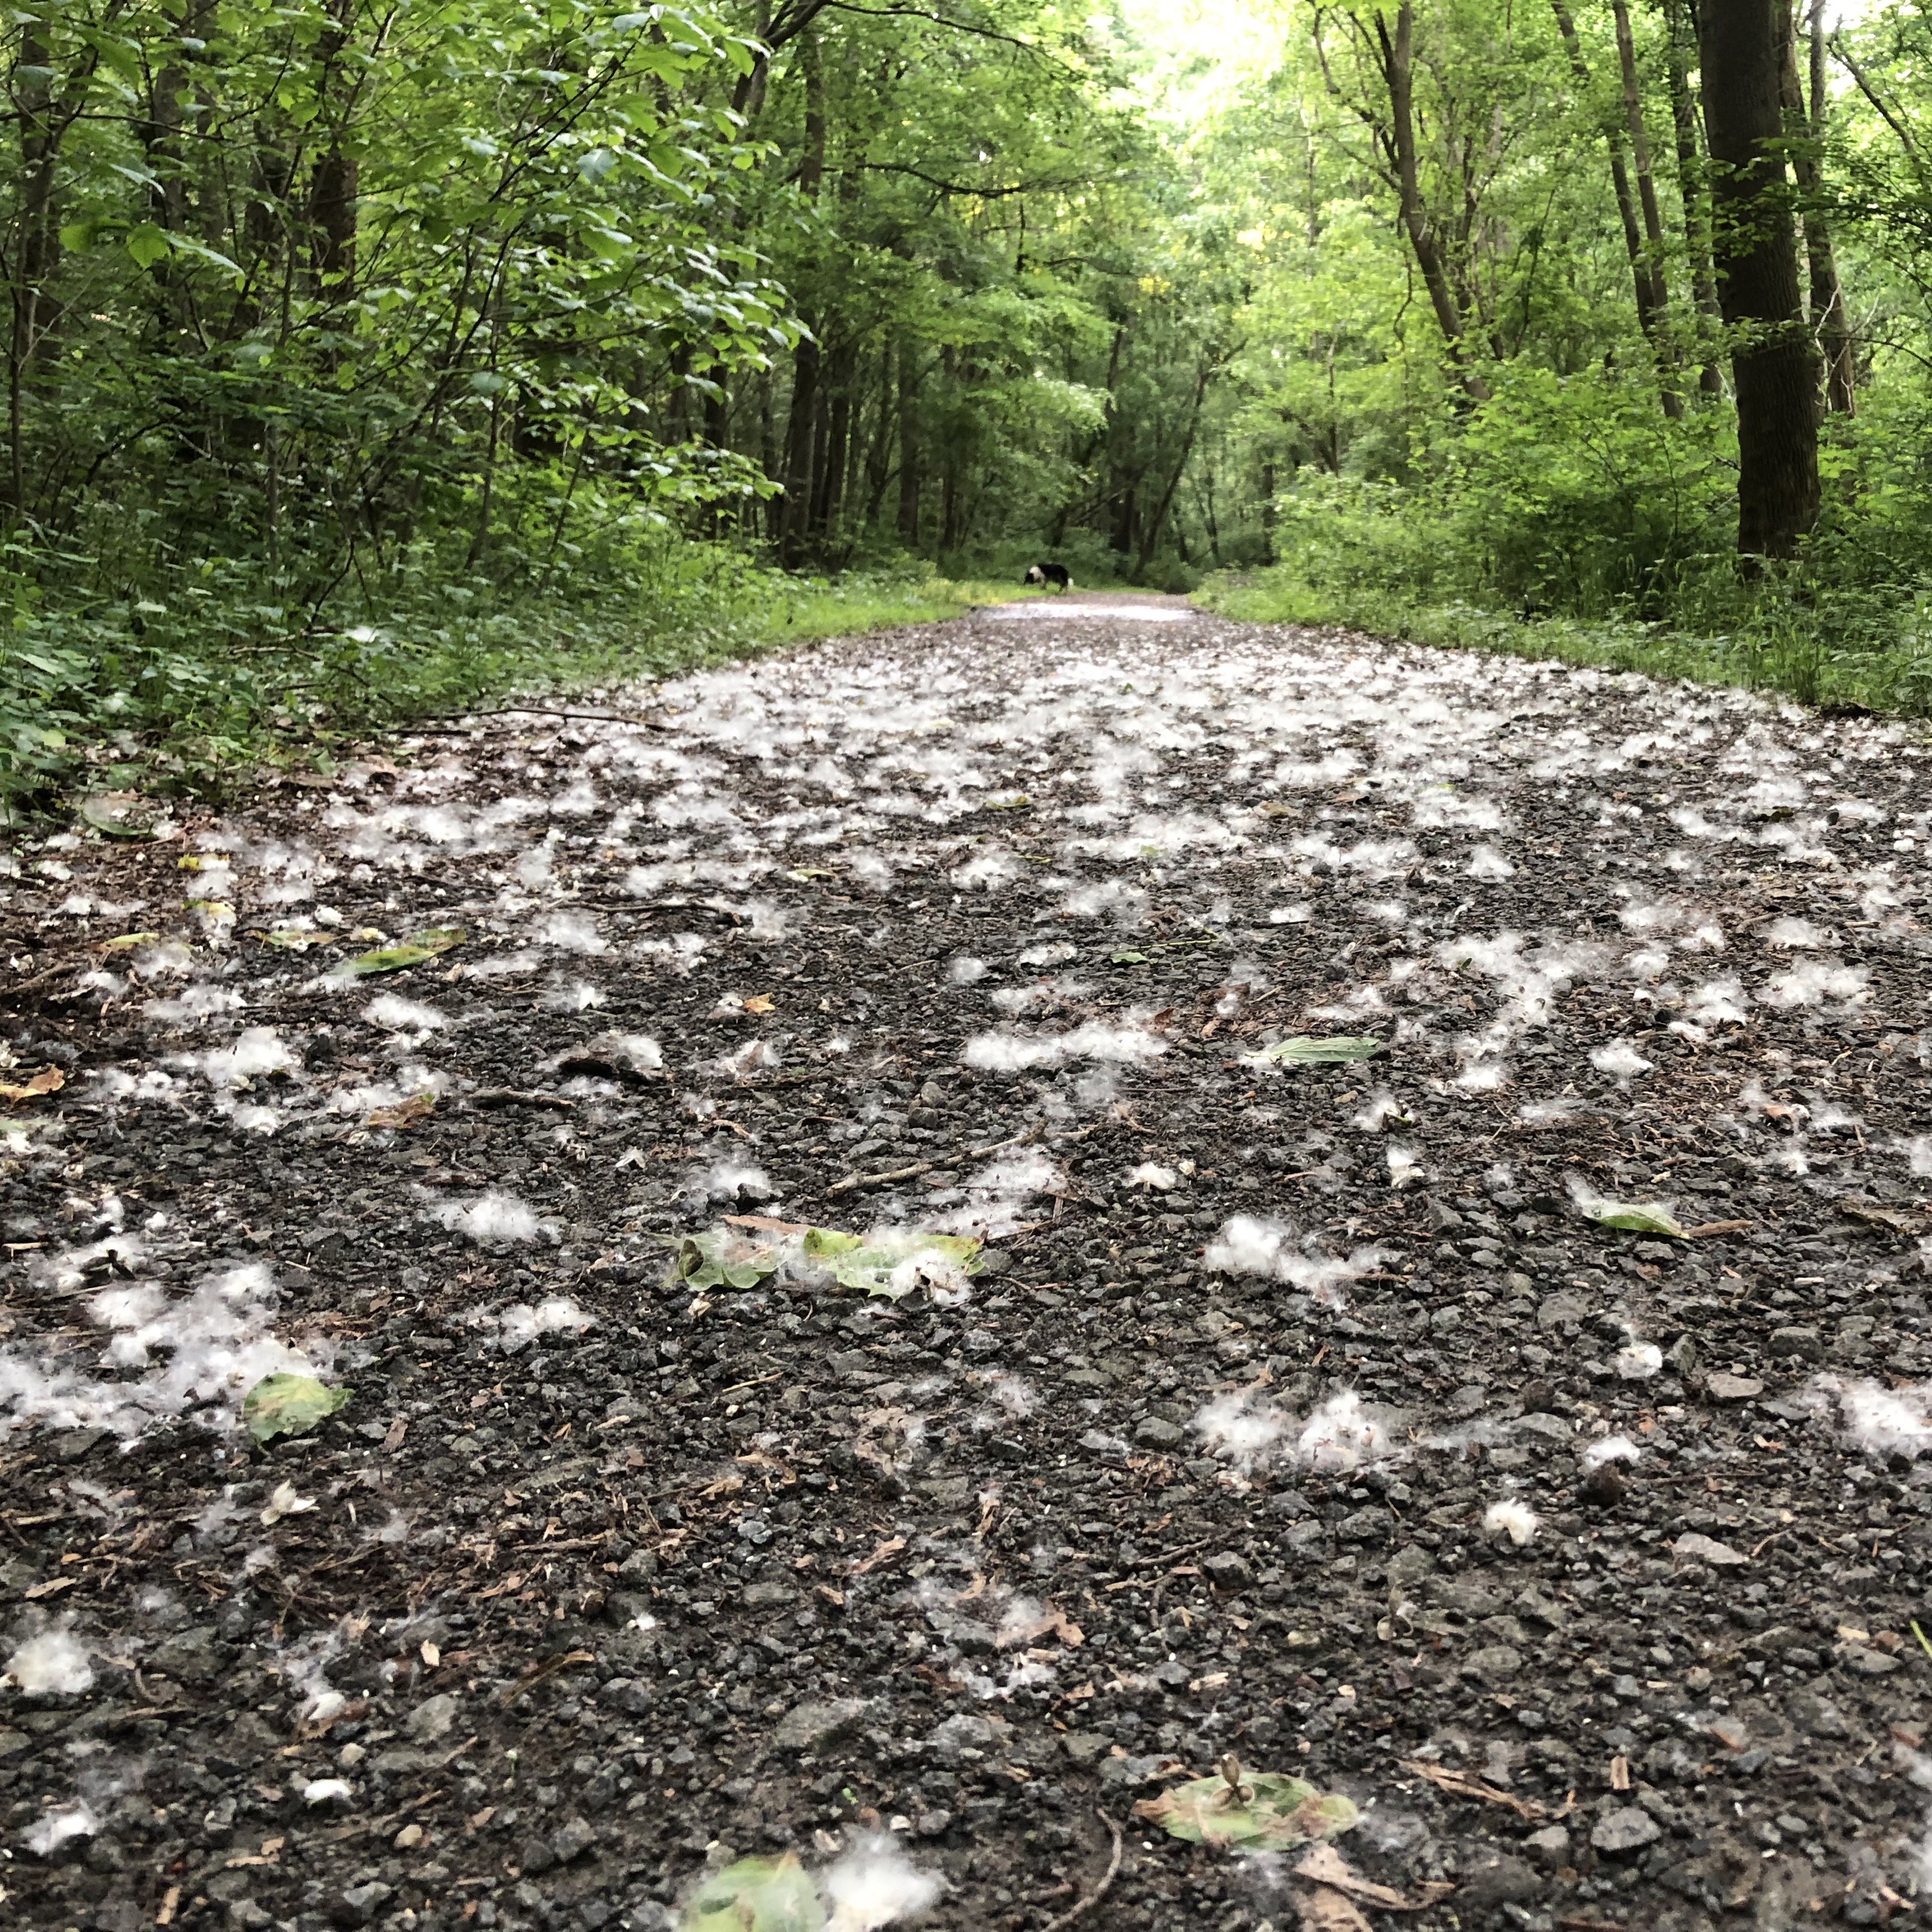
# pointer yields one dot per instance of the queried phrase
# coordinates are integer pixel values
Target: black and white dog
(1054, 574)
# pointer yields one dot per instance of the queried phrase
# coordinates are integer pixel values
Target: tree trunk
(1151, 536)
(1268, 513)
(1643, 279)
(36, 250)
(1398, 77)
(879, 449)
(909, 445)
(1829, 323)
(332, 182)
(1646, 193)
(795, 525)
(1773, 366)
(828, 490)
(1692, 186)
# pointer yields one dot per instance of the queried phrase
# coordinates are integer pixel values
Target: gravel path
(1318, 1414)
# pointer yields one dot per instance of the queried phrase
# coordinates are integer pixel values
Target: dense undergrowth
(1570, 520)
(183, 688)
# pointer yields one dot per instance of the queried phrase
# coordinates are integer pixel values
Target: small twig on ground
(846, 1182)
(1082, 1907)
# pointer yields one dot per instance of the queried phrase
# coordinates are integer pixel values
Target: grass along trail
(1514, 1434)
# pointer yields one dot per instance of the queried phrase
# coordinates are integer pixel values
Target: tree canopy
(327, 311)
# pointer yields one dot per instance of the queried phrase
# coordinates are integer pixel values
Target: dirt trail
(1319, 1413)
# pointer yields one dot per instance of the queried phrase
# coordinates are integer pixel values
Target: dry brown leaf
(409, 1113)
(766, 1225)
(1053, 1623)
(49, 1080)
(1322, 1864)
(1323, 1909)
(886, 1552)
(1705, 1228)
(758, 1003)
(1463, 1786)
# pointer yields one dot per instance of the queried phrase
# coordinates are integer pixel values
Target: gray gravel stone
(812, 1726)
(1626, 1829)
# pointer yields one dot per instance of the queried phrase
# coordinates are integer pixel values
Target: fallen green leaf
(1303, 1051)
(414, 951)
(756, 1895)
(126, 942)
(724, 1258)
(1129, 958)
(1635, 1217)
(853, 1262)
(1268, 1811)
(286, 1404)
(119, 815)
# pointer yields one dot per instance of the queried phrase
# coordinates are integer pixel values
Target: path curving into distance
(1310, 1413)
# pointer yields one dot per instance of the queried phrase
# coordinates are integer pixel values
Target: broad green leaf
(286, 1404)
(725, 1258)
(119, 815)
(1302, 1051)
(853, 1262)
(1267, 1812)
(756, 1895)
(416, 950)
(126, 942)
(1129, 958)
(147, 243)
(1635, 1217)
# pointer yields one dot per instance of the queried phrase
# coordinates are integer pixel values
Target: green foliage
(287, 1404)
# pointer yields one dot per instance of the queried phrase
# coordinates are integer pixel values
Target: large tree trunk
(1398, 77)
(1692, 186)
(1773, 366)
(1646, 192)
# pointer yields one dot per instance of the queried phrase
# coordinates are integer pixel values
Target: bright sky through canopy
(1194, 54)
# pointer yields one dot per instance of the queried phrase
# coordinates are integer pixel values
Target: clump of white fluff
(1620, 1060)
(491, 1220)
(1241, 1427)
(1611, 1449)
(874, 1884)
(1340, 1435)
(55, 1827)
(393, 1011)
(1017, 1053)
(1151, 1174)
(54, 1664)
(1246, 1245)
(1516, 1520)
(1883, 1421)
(520, 1323)
(729, 1180)
(1637, 1361)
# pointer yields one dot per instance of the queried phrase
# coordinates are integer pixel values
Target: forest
(366, 356)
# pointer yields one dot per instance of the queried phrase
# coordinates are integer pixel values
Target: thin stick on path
(1082, 1907)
